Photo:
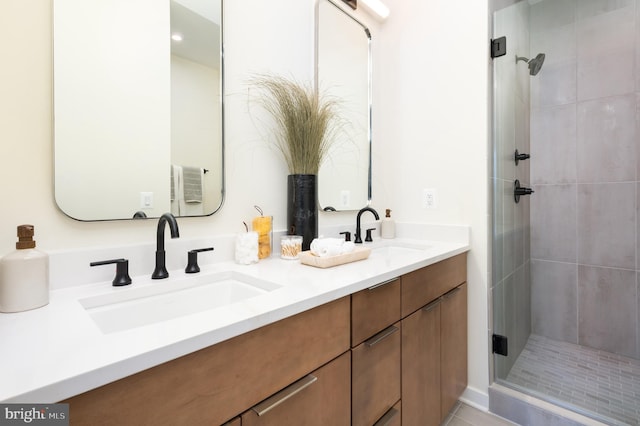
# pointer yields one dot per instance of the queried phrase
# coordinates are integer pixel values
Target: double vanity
(378, 341)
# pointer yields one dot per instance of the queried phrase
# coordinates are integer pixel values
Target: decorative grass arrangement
(306, 122)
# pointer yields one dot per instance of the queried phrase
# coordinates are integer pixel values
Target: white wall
(431, 111)
(430, 129)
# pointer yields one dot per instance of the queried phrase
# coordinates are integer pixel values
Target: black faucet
(358, 237)
(161, 270)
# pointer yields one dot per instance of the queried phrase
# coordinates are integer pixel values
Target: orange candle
(262, 225)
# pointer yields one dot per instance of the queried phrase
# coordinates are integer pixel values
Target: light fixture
(176, 37)
(376, 7)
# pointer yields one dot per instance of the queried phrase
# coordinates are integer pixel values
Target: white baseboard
(475, 398)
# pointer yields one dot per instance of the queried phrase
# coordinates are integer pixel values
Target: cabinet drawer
(393, 417)
(214, 384)
(320, 398)
(374, 309)
(375, 373)
(427, 284)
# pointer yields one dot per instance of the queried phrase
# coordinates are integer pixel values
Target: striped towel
(192, 178)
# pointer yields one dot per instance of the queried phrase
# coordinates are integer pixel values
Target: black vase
(302, 208)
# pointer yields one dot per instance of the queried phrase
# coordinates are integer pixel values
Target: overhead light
(376, 7)
(176, 37)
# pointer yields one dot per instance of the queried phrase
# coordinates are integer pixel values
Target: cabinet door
(421, 367)
(320, 398)
(453, 341)
(375, 376)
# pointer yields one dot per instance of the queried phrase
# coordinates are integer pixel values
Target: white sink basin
(123, 309)
(396, 248)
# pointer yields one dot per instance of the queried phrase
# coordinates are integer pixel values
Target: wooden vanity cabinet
(215, 384)
(392, 354)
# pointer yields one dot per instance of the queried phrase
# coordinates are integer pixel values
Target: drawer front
(393, 417)
(374, 309)
(375, 376)
(320, 398)
(427, 284)
(219, 382)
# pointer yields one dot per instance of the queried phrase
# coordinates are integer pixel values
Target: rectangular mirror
(343, 70)
(137, 108)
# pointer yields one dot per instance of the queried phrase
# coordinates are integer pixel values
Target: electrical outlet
(429, 198)
(345, 198)
(146, 200)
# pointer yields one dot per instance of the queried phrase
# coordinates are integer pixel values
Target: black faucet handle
(122, 271)
(192, 260)
(347, 235)
(368, 237)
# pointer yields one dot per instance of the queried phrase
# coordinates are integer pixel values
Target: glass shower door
(511, 289)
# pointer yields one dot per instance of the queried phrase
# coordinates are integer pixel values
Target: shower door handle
(520, 190)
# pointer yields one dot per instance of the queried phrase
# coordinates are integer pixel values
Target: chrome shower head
(535, 64)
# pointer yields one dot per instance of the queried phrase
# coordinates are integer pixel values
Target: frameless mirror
(343, 70)
(137, 108)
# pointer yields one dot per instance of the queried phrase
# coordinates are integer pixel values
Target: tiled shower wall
(585, 171)
(510, 290)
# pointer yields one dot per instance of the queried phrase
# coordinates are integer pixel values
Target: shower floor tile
(589, 379)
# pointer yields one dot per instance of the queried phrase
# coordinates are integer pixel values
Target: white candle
(247, 248)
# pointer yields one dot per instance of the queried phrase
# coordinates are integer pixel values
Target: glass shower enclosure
(565, 296)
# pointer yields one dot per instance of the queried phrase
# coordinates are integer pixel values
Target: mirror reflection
(138, 108)
(343, 65)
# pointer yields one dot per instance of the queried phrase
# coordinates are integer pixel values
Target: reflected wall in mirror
(343, 70)
(137, 112)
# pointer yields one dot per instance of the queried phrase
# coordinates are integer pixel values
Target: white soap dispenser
(388, 226)
(24, 275)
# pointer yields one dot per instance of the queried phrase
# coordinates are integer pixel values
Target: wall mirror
(343, 70)
(137, 108)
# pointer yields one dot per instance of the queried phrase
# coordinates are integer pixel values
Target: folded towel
(192, 179)
(348, 247)
(323, 247)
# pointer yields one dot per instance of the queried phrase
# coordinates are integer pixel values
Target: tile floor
(465, 415)
(590, 379)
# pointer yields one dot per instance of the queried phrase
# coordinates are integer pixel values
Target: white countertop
(57, 351)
